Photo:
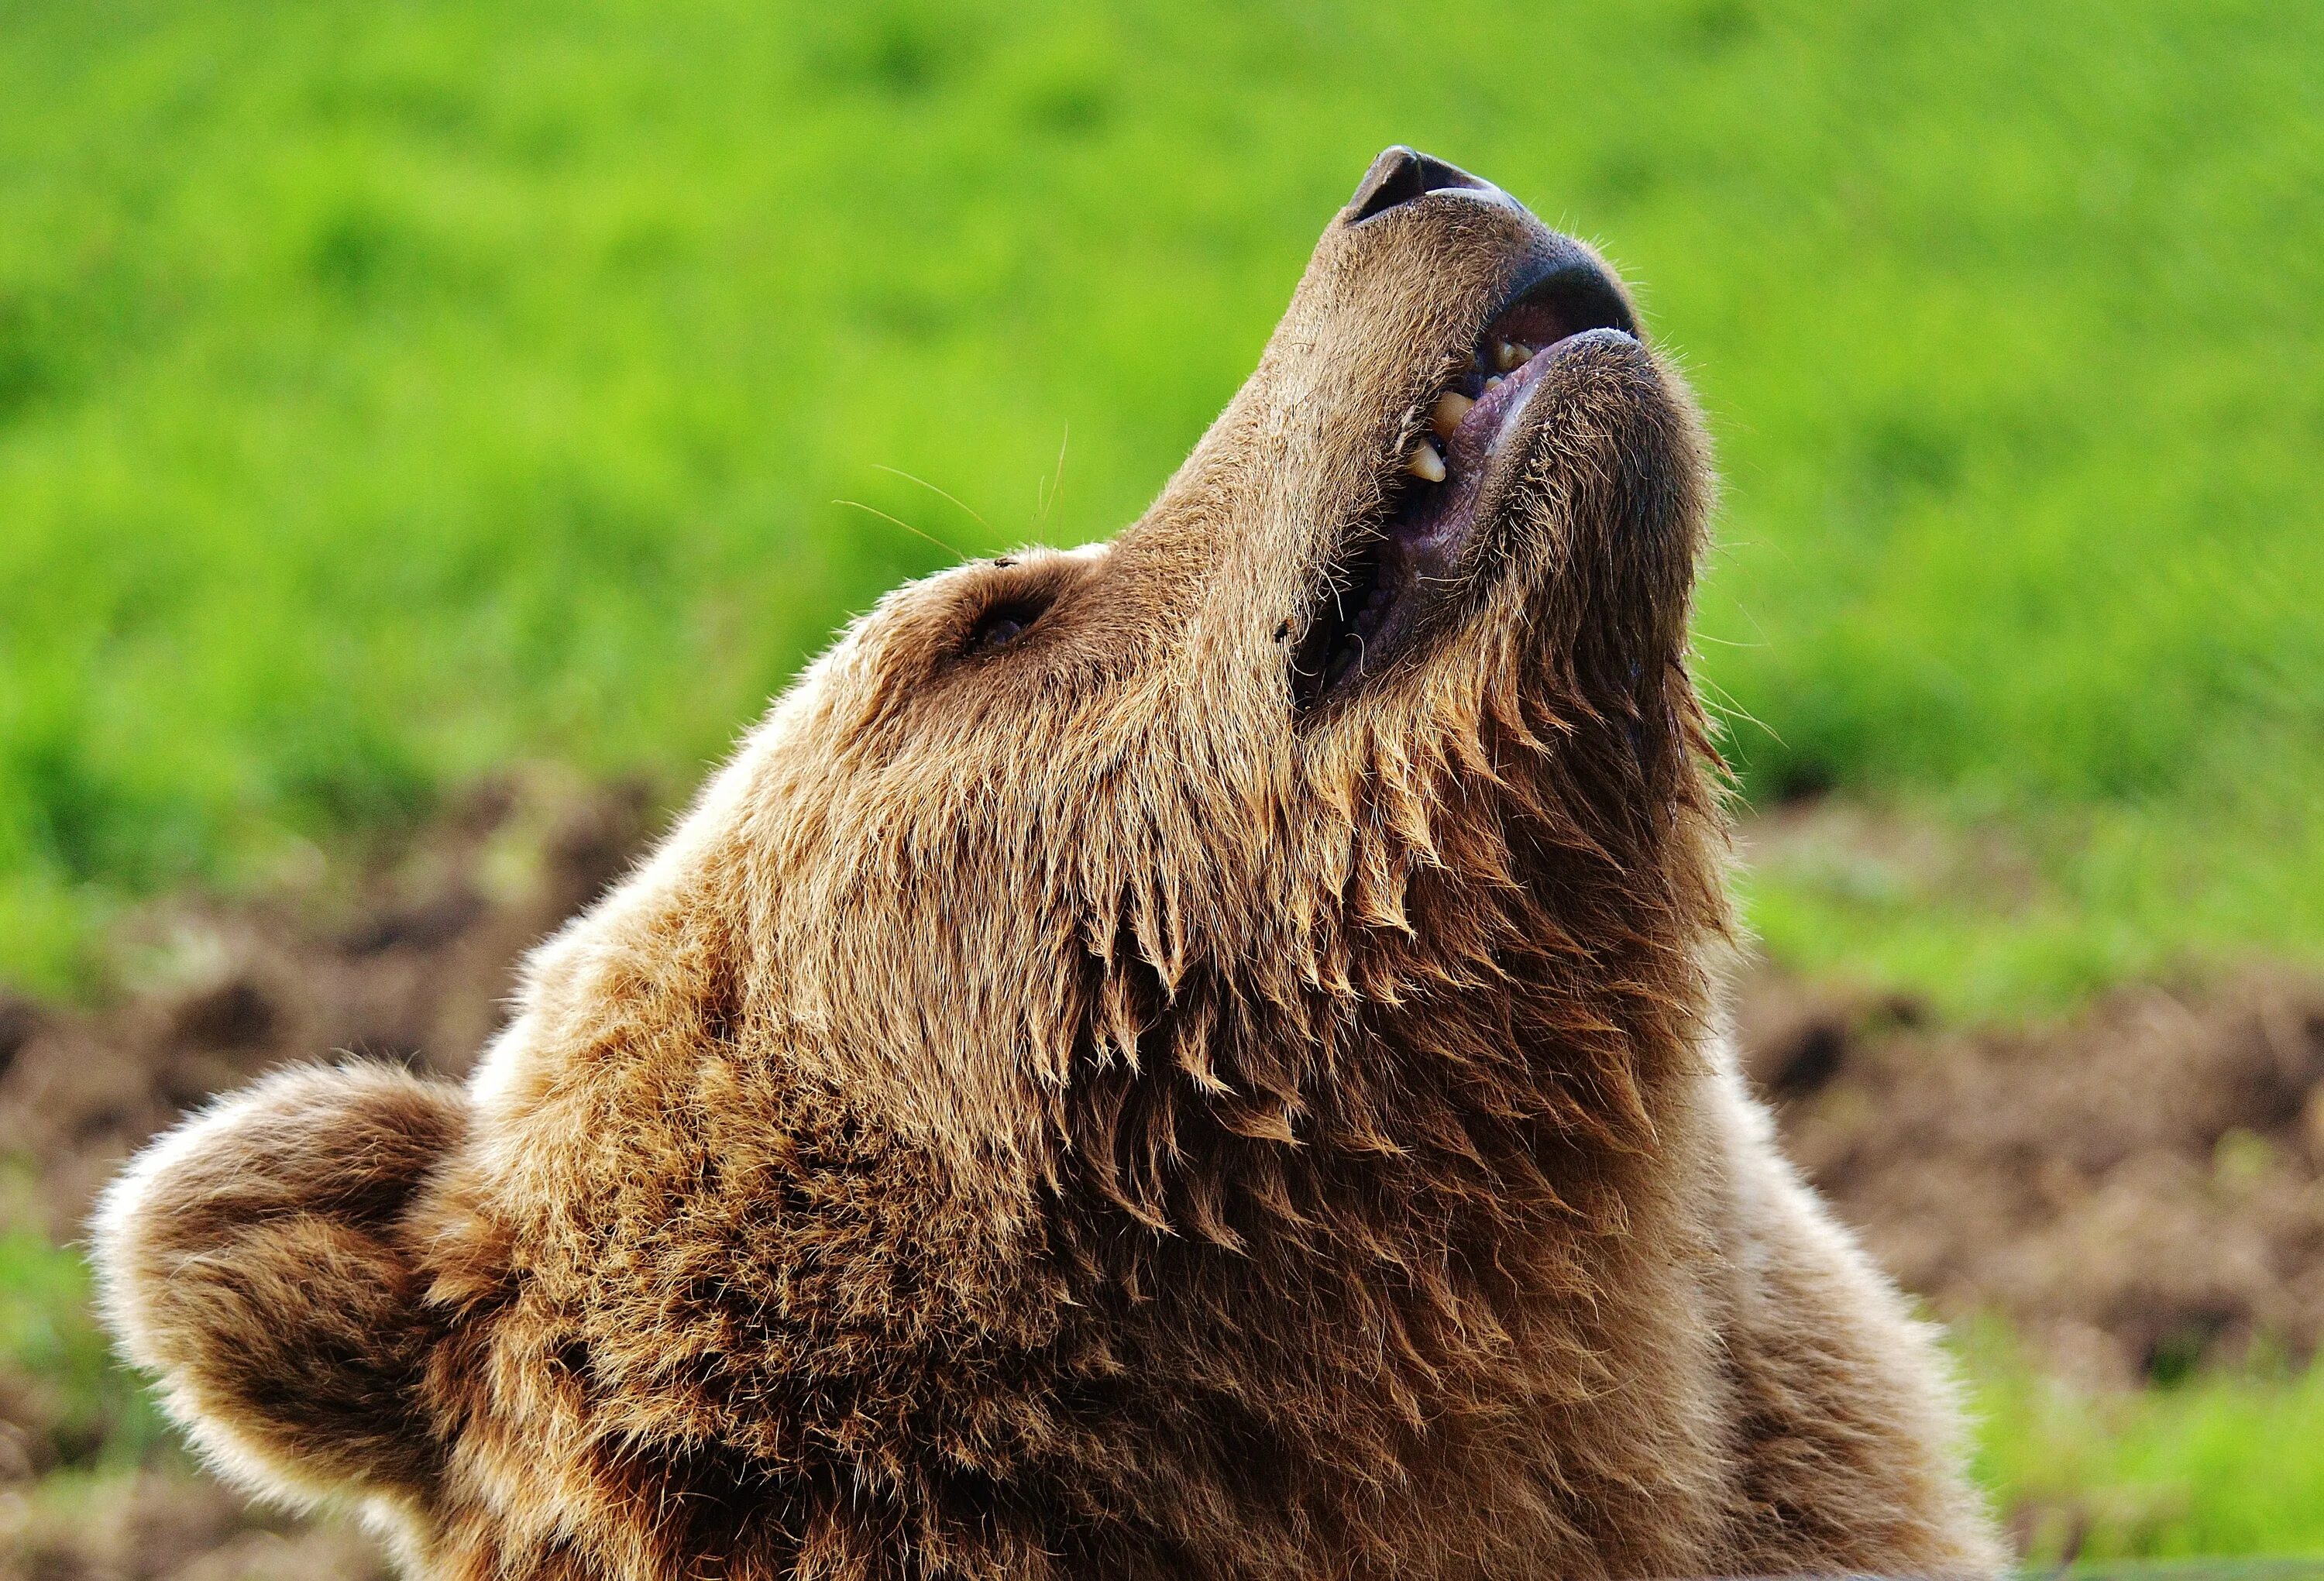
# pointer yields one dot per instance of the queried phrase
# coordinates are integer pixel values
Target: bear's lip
(1400, 566)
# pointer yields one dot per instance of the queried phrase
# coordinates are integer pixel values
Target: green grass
(57, 1367)
(389, 391)
(2222, 1465)
(1997, 912)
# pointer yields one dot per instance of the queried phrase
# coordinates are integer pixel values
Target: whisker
(1048, 494)
(908, 527)
(932, 488)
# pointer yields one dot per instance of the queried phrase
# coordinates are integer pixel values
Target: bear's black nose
(1401, 175)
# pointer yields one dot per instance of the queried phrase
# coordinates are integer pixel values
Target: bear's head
(1384, 697)
(1317, 877)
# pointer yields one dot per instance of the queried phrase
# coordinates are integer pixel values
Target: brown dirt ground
(413, 966)
(2137, 1191)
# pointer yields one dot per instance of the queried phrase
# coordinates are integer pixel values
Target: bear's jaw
(1398, 569)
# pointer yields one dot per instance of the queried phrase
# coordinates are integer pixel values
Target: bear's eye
(1000, 626)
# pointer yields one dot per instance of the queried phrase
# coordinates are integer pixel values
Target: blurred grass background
(391, 391)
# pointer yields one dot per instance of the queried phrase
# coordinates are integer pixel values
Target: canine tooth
(1425, 462)
(1451, 408)
(1511, 354)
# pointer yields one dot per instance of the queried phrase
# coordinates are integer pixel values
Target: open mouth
(1403, 564)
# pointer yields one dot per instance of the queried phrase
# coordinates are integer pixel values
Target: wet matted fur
(1134, 1070)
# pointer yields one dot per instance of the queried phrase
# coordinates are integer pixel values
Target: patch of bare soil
(168, 1524)
(414, 966)
(2139, 1191)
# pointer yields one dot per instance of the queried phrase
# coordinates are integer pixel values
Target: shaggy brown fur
(1078, 1098)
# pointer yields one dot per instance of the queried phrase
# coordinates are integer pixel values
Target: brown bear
(1191, 1057)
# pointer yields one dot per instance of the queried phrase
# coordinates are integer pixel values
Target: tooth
(1425, 462)
(1511, 354)
(1494, 383)
(1451, 408)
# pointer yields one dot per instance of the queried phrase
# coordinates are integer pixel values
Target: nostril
(1400, 175)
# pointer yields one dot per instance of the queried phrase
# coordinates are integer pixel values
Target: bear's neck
(1436, 1164)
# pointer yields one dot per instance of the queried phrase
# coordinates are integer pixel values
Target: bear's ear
(256, 1259)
